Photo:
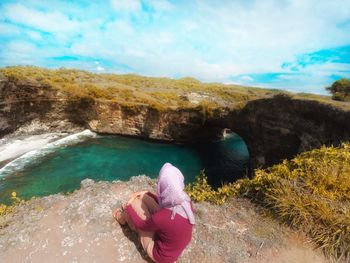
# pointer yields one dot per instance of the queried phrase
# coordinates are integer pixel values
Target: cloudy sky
(298, 45)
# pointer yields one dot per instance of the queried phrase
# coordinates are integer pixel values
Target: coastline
(17, 151)
(12, 148)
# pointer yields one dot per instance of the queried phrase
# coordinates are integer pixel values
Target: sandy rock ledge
(79, 228)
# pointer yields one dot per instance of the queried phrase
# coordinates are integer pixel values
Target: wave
(21, 162)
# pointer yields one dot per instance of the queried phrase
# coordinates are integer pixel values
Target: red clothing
(171, 236)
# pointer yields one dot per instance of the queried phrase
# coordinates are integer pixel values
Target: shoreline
(13, 148)
(17, 152)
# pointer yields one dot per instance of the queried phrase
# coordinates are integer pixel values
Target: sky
(296, 45)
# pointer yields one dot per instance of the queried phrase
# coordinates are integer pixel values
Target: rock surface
(273, 128)
(79, 228)
(30, 108)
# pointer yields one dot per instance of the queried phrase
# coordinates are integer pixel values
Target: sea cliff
(274, 125)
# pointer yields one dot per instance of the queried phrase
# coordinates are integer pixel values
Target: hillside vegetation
(133, 89)
(310, 192)
(340, 89)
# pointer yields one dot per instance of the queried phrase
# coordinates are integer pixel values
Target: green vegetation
(131, 89)
(160, 93)
(310, 192)
(340, 90)
(7, 209)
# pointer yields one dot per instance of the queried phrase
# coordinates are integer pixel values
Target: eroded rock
(274, 128)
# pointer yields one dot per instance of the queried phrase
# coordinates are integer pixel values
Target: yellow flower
(14, 194)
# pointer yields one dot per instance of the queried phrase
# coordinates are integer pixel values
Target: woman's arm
(145, 225)
(154, 196)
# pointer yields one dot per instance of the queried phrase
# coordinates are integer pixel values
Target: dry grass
(160, 92)
(129, 88)
(310, 193)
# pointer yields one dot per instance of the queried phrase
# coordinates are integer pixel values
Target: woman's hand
(124, 205)
(133, 197)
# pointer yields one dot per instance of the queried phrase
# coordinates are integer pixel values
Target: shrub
(310, 192)
(340, 89)
(200, 190)
(7, 209)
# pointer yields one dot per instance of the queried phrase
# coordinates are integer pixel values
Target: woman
(164, 221)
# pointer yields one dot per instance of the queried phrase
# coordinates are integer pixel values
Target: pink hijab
(171, 192)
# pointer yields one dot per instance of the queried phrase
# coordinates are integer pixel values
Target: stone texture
(79, 228)
(273, 128)
(33, 108)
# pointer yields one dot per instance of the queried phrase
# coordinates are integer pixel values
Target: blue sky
(296, 45)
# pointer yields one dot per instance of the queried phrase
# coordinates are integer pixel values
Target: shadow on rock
(134, 237)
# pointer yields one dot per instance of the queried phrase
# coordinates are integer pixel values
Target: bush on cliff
(340, 89)
(310, 192)
(9, 208)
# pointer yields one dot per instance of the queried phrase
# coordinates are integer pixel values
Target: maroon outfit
(171, 236)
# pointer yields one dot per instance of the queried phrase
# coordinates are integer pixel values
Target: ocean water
(62, 165)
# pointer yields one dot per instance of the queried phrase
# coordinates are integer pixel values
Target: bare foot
(119, 215)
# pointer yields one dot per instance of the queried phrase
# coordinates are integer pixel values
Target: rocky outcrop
(31, 108)
(273, 128)
(278, 128)
(180, 125)
(79, 228)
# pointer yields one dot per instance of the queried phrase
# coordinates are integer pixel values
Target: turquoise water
(111, 158)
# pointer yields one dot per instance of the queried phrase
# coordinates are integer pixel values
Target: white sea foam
(42, 145)
(13, 148)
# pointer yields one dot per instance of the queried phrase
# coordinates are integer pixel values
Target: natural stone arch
(273, 128)
(280, 127)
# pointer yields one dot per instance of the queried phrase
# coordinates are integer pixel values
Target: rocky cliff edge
(79, 228)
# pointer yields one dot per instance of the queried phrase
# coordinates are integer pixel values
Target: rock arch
(280, 127)
(273, 128)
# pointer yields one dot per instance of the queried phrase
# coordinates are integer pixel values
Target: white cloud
(19, 53)
(312, 78)
(8, 30)
(34, 35)
(160, 5)
(135, 6)
(99, 68)
(209, 40)
(119, 26)
(246, 79)
(128, 6)
(264, 34)
(52, 21)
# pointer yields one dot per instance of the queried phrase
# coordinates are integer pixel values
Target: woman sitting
(164, 221)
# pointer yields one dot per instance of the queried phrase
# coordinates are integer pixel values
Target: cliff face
(273, 128)
(180, 125)
(280, 127)
(36, 106)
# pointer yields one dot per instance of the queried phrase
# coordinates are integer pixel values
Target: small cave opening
(225, 159)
